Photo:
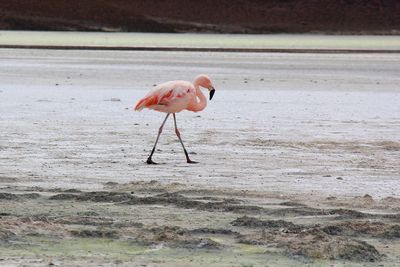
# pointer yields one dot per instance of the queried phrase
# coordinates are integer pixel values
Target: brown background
(234, 16)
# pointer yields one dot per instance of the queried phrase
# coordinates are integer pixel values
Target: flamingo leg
(180, 139)
(149, 160)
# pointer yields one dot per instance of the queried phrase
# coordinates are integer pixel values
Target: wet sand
(299, 160)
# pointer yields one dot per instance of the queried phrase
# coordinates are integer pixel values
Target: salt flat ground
(299, 161)
(279, 122)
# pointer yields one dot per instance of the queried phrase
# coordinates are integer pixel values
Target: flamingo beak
(212, 92)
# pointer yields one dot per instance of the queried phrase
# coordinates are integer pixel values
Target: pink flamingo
(175, 96)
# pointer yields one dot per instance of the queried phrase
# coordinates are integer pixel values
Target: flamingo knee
(177, 132)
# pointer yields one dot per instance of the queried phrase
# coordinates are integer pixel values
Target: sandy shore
(319, 132)
(204, 42)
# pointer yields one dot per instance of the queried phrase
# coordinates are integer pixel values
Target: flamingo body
(173, 97)
(169, 97)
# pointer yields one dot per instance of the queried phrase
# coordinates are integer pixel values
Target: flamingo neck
(199, 104)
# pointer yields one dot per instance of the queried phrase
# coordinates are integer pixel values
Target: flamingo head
(205, 82)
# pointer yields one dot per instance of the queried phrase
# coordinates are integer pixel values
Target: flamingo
(173, 97)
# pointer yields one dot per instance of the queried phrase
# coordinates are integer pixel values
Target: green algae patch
(101, 250)
(218, 240)
(78, 247)
(251, 249)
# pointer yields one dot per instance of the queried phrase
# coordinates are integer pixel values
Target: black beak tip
(212, 92)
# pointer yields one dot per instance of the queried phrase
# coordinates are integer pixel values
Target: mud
(355, 228)
(218, 204)
(256, 223)
(364, 228)
(159, 216)
(178, 200)
(10, 196)
(309, 242)
(94, 233)
(95, 196)
(177, 237)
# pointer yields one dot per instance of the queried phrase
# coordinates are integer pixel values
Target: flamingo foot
(191, 161)
(150, 161)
